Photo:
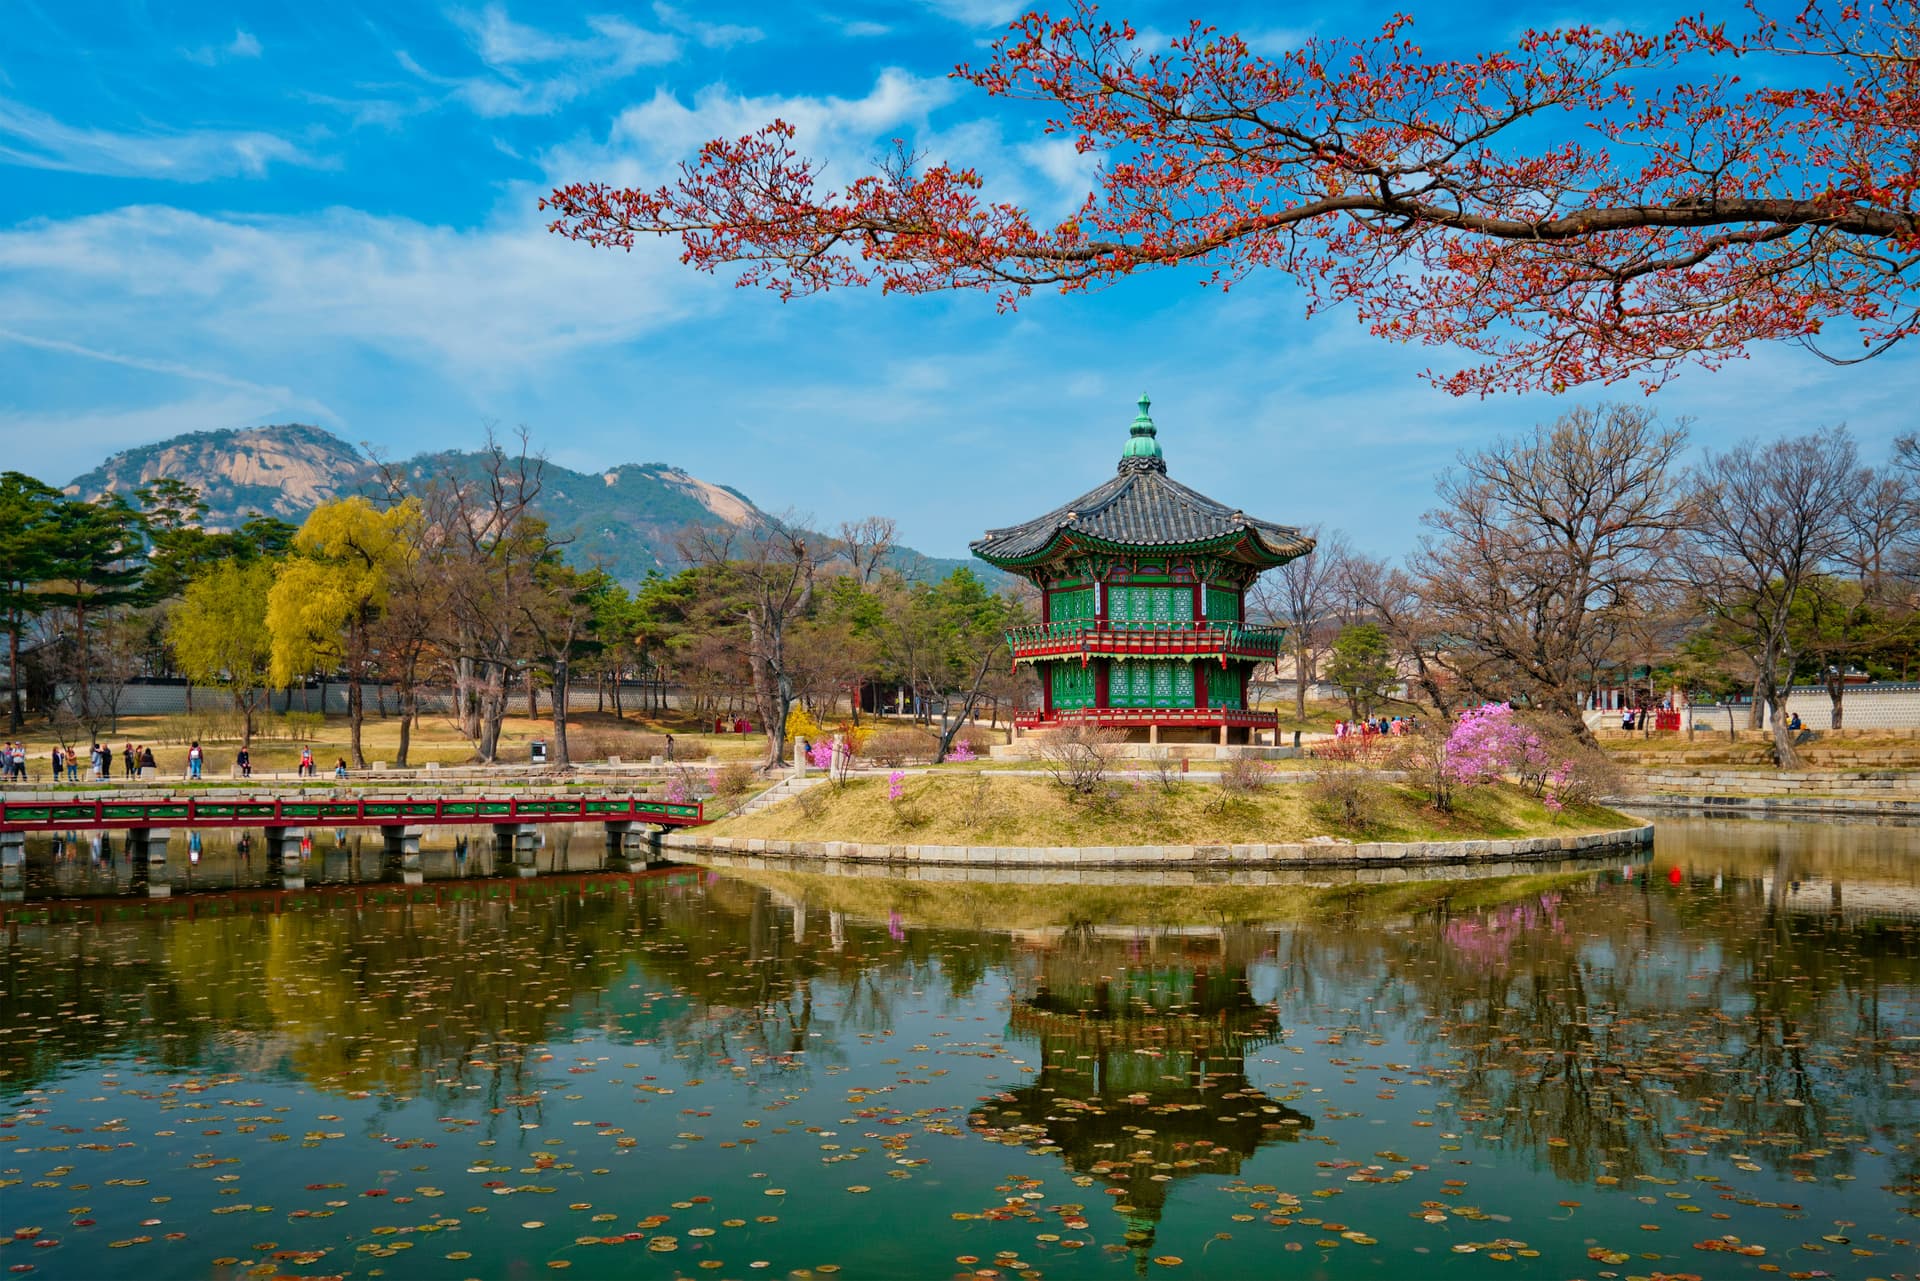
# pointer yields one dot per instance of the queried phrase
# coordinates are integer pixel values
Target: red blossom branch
(1586, 207)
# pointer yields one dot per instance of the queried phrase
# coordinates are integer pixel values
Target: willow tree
(1581, 206)
(219, 634)
(327, 594)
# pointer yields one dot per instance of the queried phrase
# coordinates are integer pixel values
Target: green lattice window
(1072, 685)
(1065, 607)
(1222, 606)
(1150, 684)
(1150, 606)
(1223, 687)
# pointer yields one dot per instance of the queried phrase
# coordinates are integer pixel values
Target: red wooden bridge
(383, 811)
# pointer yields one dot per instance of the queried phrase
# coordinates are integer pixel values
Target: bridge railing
(57, 815)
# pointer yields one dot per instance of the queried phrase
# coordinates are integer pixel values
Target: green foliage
(219, 631)
(1362, 665)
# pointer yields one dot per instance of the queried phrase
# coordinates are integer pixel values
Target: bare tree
(1302, 593)
(1767, 519)
(1539, 541)
(1391, 597)
(866, 543)
(769, 569)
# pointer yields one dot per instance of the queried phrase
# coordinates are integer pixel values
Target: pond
(1703, 1063)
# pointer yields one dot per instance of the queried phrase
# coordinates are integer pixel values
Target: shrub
(1425, 757)
(1079, 757)
(1347, 796)
(895, 747)
(601, 742)
(1242, 778)
(1493, 741)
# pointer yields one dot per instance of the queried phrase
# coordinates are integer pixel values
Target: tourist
(340, 768)
(106, 762)
(194, 759)
(305, 769)
(148, 764)
(1793, 722)
(133, 762)
(56, 762)
(1626, 718)
(669, 749)
(73, 766)
(243, 761)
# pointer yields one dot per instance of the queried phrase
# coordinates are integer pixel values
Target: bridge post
(149, 844)
(519, 840)
(403, 852)
(287, 856)
(13, 867)
(634, 843)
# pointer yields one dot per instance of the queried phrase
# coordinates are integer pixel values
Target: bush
(1242, 778)
(1429, 764)
(1079, 757)
(1347, 796)
(895, 747)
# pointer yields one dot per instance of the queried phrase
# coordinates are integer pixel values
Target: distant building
(1144, 586)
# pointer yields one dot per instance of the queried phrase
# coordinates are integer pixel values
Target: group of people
(136, 762)
(1380, 725)
(738, 725)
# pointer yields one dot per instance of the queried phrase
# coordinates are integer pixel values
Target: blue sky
(219, 216)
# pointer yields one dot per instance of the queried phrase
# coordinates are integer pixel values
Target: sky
(219, 216)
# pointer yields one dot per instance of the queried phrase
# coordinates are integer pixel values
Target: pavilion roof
(1142, 508)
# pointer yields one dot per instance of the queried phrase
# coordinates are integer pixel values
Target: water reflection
(1734, 1018)
(1143, 1076)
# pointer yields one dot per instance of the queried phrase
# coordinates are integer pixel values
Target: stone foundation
(1321, 852)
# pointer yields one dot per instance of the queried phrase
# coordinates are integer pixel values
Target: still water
(1706, 1063)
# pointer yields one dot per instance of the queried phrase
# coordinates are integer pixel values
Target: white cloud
(713, 35)
(269, 293)
(37, 140)
(860, 30)
(976, 13)
(534, 72)
(243, 45)
(848, 133)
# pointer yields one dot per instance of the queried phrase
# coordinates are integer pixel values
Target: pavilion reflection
(1142, 1079)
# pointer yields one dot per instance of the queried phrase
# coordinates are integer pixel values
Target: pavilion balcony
(1091, 638)
(1143, 717)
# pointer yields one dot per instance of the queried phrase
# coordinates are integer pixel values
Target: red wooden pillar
(1200, 683)
(1100, 666)
(1046, 688)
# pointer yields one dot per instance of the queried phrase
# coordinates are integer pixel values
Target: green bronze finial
(1141, 442)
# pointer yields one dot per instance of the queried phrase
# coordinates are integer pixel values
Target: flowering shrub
(820, 756)
(962, 751)
(896, 786)
(678, 791)
(1492, 742)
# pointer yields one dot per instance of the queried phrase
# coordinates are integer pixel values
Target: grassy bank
(986, 808)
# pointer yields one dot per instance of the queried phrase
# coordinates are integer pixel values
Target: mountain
(626, 519)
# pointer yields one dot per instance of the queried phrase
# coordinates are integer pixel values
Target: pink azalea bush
(962, 751)
(896, 785)
(1490, 742)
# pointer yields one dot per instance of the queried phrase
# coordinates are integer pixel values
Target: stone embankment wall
(1856, 784)
(1322, 852)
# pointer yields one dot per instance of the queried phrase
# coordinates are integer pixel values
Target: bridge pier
(518, 841)
(13, 867)
(403, 853)
(633, 846)
(147, 851)
(287, 849)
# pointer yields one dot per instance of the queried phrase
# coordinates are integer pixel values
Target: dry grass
(951, 809)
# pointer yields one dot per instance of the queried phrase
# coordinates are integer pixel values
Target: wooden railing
(1084, 635)
(56, 815)
(1135, 717)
